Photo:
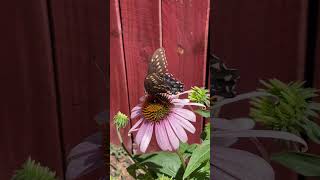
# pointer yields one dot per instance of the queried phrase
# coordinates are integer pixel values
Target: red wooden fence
(51, 88)
(140, 27)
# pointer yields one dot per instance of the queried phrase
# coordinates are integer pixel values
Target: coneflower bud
(120, 120)
(199, 95)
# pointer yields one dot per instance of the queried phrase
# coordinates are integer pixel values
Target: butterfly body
(158, 79)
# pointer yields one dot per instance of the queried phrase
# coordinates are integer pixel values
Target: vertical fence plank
(28, 112)
(185, 28)
(118, 80)
(140, 24)
(315, 148)
(263, 39)
(80, 30)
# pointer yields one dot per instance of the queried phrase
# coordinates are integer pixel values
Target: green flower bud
(199, 95)
(120, 120)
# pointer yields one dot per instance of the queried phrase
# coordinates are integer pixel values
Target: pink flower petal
(136, 108)
(134, 127)
(147, 137)
(180, 101)
(189, 115)
(165, 136)
(135, 114)
(141, 132)
(185, 123)
(182, 135)
(172, 137)
(159, 137)
(195, 104)
(142, 98)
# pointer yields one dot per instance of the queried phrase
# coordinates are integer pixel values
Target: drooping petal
(135, 114)
(136, 108)
(141, 132)
(146, 137)
(159, 137)
(187, 114)
(164, 136)
(142, 98)
(195, 104)
(180, 101)
(182, 135)
(134, 127)
(172, 137)
(184, 123)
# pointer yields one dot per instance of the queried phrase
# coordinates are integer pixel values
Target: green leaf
(312, 130)
(200, 155)
(35, 171)
(158, 163)
(201, 173)
(203, 113)
(205, 135)
(302, 163)
(187, 149)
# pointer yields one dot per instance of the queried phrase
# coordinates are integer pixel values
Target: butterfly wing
(223, 79)
(158, 79)
(158, 63)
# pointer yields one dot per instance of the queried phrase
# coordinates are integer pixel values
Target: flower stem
(124, 147)
(130, 155)
(182, 160)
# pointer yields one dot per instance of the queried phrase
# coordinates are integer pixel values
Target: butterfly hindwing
(158, 79)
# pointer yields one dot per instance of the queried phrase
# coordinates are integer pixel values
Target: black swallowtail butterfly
(158, 79)
(223, 79)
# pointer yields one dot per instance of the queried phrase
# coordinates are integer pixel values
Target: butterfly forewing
(158, 63)
(158, 79)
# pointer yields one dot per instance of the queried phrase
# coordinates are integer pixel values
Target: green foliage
(199, 161)
(187, 149)
(156, 164)
(202, 112)
(293, 110)
(199, 95)
(34, 171)
(302, 163)
(205, 135)
(163, 177)
(120, 120)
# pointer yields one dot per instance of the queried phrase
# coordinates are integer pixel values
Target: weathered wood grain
(28, 111)
(81, 43)
(185, 33)
(119, 97)
(141, 36)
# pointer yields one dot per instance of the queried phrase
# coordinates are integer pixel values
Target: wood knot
(180, 50)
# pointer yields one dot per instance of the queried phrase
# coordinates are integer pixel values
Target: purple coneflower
(166, 115)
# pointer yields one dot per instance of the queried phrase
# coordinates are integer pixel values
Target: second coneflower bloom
(167, 116)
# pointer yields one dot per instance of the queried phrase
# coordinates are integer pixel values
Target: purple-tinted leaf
(85, 157)
(233, 124)
(239, 98)
(262, 134)
(102, 118)
(236, 164)
(224, 142)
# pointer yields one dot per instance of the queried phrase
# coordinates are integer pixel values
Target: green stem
(182, 160)
(130, 155)
(123, 146)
